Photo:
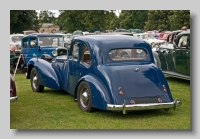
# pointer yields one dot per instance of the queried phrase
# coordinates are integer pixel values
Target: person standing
(183, 39)
(153, 34)
(12, 58)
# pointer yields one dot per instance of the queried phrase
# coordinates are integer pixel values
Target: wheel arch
(100, 95)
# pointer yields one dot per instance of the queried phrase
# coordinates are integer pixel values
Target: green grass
(57, 110)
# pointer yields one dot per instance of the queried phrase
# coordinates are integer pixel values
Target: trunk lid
(141, 81)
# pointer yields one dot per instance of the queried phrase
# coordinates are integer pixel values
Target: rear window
(127, 54)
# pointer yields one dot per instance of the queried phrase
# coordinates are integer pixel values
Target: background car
(135, 31)
(164, 36)
(98, 77)
(13, 91)
(78, 32)
(37, 44)
(175, 60)
(153, 42)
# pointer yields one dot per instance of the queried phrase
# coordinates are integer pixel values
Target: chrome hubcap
(84, 97)
(35, 81)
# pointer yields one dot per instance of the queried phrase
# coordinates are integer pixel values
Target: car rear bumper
(14, 98)
(149, 106)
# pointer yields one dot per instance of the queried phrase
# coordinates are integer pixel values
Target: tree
(179, 18)
(125, 19)
(158, 19)
(46, 16)
(139, 18)
(112, 21)
(21, 20)
(72, 20)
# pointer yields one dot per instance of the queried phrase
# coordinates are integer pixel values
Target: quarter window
(75, 50)
(85, 55)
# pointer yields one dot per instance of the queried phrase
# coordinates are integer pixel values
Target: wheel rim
(84, 97)
(35, 81)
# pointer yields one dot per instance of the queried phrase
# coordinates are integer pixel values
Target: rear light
(160, 100)
(164, 88)
(11, 93)
(120, 91)
(132, 101)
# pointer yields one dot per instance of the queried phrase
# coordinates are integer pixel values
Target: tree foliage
(139, 18)
(179, 18)
(125, 19)
(46, 16)
(88, 20)
(158, 19)
(21, 20)
(72, 20)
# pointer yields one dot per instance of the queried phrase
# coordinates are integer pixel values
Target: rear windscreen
(127, 54)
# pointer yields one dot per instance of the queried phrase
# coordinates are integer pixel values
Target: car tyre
(84, 97)
(34, 82)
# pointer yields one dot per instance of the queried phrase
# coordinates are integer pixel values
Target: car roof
(185, 32)
(102, 44)
(113, 41)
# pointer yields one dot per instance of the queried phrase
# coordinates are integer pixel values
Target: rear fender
(100, 95)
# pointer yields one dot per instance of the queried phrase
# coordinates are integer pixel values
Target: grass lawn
(57, 110)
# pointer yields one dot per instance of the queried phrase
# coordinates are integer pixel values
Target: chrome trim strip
(124, 107)
(14, 98)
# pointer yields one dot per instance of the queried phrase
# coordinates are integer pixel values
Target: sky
(57, 12)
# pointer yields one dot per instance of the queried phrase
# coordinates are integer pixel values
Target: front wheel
(34, 82)
(84, 97)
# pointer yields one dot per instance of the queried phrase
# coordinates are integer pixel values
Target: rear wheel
(84, 97)
(34, 82)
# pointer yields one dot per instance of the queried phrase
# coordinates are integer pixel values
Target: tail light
(160, 100)
(120, 91)
(164, 88)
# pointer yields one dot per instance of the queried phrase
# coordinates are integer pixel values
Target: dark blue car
(108, 72)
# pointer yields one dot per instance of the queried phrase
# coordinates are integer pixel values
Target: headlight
(55, 53)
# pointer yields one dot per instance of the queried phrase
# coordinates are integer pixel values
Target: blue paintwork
(104, 76)
(28, 52)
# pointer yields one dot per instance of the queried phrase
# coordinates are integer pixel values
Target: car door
(161, 54)
(25, 50)
(29, 48)
(170, 59)
(74, 62)
(181, 53)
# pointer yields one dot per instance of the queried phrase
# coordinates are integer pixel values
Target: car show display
(107, 72)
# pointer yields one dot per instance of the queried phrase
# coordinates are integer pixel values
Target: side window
(25, 43)
(183, 41)
(75, 50)
(170, 39)
(32, 42)
(85, 55)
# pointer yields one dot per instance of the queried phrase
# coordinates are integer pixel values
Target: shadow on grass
(56, 92)
(135, 114)
(177, 80)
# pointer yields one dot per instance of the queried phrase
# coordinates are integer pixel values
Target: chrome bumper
(14, 98)
(149, 106)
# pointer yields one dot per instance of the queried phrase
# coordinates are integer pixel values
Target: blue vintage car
(37, 44)
(108, 72)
